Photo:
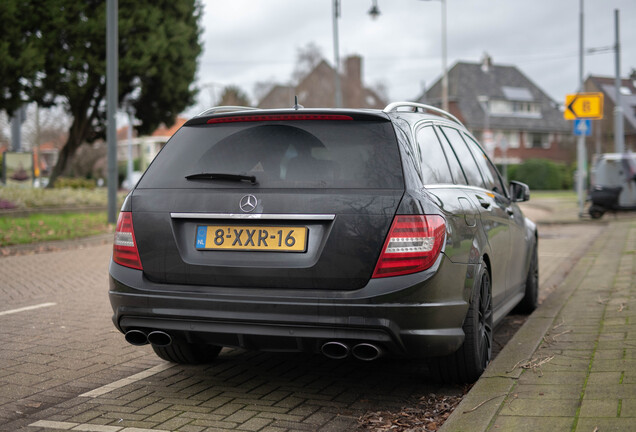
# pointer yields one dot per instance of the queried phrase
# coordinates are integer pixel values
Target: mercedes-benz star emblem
(248, 203)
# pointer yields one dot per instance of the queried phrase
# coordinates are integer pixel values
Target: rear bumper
(417, 315)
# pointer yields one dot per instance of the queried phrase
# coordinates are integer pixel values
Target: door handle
(510, 211)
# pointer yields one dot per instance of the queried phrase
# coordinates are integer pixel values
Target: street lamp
(444, 71)
(374, 12)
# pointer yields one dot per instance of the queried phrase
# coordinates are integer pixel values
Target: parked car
(613, 183)
(346, 232)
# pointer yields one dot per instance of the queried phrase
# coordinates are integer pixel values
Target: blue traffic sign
(583, 127)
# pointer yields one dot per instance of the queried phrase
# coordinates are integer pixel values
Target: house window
(512, 139)
(514, 108)
(538, 140)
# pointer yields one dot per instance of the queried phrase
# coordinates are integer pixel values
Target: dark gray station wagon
(346, 232)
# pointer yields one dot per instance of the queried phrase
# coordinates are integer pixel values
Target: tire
(187, 353)
(596, 212)
(468, 363)
(530, 301)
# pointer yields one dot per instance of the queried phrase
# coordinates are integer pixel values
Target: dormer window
(517, 102)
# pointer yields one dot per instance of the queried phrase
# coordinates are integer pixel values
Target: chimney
(352, 91)
(486, 62)
(353, 70)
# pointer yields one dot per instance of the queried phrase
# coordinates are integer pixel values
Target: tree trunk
(77, 135)
(80, 128)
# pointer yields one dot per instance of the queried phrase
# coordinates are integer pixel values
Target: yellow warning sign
(583, 106)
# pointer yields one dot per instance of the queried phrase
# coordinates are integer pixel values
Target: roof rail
(392, 107)
(227, 108)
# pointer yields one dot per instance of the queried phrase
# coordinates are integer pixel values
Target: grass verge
(41, 227)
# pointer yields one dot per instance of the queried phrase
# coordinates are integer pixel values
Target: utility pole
(580, 143)
(619, 133)
(17, 118)
(444, 65)
(336, 53)
(112, 85)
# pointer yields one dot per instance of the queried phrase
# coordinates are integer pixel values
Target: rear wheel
(531, 299)
(471, 359)
(187, 353)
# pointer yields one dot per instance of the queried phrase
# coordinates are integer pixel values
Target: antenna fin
(296, 106)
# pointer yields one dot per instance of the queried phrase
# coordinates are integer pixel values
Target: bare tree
(233, 95)
(261, 88)
(40, 125)
(45, 125)
(307, 58)
(381, 89)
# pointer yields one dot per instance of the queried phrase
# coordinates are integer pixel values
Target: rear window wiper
(221, 176)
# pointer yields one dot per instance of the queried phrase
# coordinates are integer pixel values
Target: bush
(542, 174)
(75, 183)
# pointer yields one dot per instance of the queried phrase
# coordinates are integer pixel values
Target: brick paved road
(56, 359)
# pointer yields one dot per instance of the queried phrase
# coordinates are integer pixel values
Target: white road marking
(27, 308)
(126, 381)
(85, 427)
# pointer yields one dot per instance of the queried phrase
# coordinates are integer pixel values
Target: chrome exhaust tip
(136, 337)
(159, 338)
(367, 352)
(335, 350)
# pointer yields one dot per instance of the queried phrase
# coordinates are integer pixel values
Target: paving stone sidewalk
(572, 366)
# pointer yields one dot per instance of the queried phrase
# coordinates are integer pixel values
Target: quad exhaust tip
(139, 338)
(363, 351)
(159, 338)
(136, 337)
(367, 352)
(335, 350)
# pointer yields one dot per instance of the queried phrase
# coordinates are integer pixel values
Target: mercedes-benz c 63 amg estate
(344, 232)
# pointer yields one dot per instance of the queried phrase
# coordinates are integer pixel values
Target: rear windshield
(311, 154)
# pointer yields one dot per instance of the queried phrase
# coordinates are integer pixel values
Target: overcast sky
(246, 41)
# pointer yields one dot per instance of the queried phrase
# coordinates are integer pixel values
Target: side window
(488, 170)
(465, 157)
(435, 169)
(453, 163)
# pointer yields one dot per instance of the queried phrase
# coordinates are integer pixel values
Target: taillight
(278, 117)
(125, 247)
(413, 244)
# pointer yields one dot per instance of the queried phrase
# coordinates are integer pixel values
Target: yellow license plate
(251, 238)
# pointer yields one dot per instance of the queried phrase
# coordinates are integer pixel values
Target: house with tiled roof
(318, 89)
(146, 146)
(603, 130)
(524, 121)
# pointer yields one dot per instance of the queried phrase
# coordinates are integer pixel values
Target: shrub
(542, 174)
(75, 183)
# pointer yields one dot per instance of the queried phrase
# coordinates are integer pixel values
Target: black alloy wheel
(485, 322)
(468, 363)
(530, 301)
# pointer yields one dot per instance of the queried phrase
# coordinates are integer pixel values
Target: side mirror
(519, 191)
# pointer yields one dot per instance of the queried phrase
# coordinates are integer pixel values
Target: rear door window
(465, 157)
(282, 154)
(489, 172)
(435, 168)
(453, 163)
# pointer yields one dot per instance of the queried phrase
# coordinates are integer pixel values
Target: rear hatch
(270, 201)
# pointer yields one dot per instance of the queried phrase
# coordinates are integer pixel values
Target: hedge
(542, 174)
